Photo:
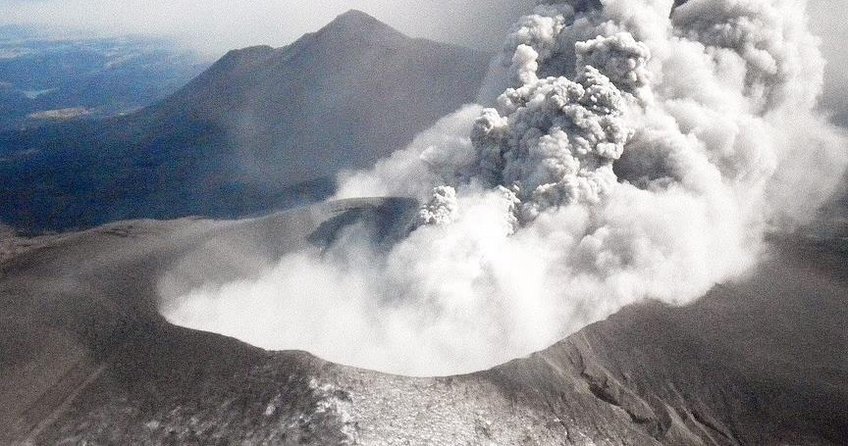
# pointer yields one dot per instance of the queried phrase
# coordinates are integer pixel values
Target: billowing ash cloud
(637, 150)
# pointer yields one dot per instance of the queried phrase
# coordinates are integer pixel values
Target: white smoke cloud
(635, 152)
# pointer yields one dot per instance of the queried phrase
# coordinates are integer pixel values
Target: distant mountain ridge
(261, 129)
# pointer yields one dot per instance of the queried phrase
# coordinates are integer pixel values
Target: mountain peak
(356, 17)
(356, 22)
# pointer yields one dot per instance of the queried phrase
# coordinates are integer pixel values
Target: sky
(214, 26)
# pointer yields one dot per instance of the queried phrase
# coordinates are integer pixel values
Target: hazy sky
(218, 25)
(214, 26)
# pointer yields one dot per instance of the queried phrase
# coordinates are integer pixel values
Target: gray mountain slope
(261, 129)
(88, 358)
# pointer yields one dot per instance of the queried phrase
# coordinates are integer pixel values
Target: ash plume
(639, 149)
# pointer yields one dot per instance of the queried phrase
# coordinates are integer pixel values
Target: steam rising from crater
(639, 150)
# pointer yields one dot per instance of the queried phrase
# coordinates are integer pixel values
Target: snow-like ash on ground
(640, 150)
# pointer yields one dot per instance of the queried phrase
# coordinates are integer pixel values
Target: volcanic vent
(638, 150)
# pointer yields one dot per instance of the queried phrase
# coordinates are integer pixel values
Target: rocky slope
(87, 358)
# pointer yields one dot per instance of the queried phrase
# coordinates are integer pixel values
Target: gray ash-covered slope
(261, 129)
(87, 358)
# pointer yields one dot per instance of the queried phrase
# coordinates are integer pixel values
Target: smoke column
(636, 149)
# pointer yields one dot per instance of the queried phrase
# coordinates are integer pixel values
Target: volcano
(624, 247)
(263, 128)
